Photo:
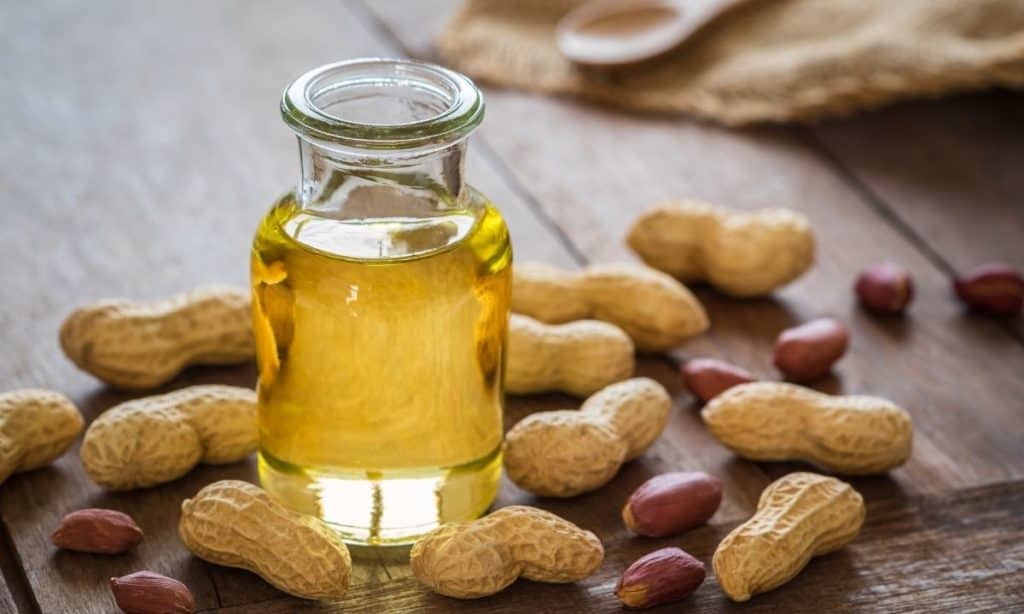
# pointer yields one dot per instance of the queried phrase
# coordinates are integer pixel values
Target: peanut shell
(740, 253)
(578, 358)
(36, 427)
(565, 453)
(799, 516)
(157, 439)
(479, 558)
(775, 421)
(656, 311)
(237, 524)
(139, 345)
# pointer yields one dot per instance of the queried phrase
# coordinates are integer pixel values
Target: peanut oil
(380, 306)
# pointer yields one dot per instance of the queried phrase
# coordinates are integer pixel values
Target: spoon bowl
(623, 33)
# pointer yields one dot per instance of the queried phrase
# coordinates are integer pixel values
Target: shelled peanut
(885, 288)
(739, 253)
(157, 439)
(146, 592)
(578, 357)
(706, 378)
(994, 288)
(660, 577)
(773, 421)
(99, 531)
(799, 516)
(139, 345)
(671, 503)
(807, 352)
(36, 427)
(565, 453)
(656, 311)
(236, 524)
(479, 558)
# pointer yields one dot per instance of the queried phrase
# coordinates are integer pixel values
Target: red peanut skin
(671, 503)
(807, 352)
(146, 592)
(994, 288)
(99, 531)
(709, 377)
(662, 576)
(885, 288)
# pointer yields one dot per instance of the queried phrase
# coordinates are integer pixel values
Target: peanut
(236, 524)
(774, 421)
(479, 558)
(579, 357)
(97, 530)
(656, 311)
(138, 345)
(36, 426)
(157, 439)
(564, 453)
(671, 503)
(807, 352)
(145, 592)
(885, 288)
(706, 378)
(663, 576)
(799, 516)
(994, 288)
(739, 253)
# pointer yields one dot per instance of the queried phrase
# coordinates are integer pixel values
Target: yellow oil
(381, 351)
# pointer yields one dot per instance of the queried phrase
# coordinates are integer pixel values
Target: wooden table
(142, 142)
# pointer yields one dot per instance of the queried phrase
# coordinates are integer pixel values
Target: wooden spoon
(622, 33)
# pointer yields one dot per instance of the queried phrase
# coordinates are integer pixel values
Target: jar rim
(460, 102)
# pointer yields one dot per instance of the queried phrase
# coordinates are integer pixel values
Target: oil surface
(380, 343)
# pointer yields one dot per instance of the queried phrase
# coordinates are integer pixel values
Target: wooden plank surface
(147, 144)
(140, 175)
(953, 175)
(594, 170)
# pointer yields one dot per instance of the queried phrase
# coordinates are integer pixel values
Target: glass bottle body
(380, 304)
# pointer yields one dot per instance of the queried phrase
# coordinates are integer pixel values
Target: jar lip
(463, 106)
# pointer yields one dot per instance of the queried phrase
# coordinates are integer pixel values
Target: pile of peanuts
(575, 332)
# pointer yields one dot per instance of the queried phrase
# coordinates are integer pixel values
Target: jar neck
(337, 180)
(389, 133)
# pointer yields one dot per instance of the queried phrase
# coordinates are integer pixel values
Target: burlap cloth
(773, 60)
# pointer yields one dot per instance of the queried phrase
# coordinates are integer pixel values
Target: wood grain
(957, 187)
(146, 144)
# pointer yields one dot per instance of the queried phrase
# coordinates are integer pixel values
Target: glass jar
(381, 291)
